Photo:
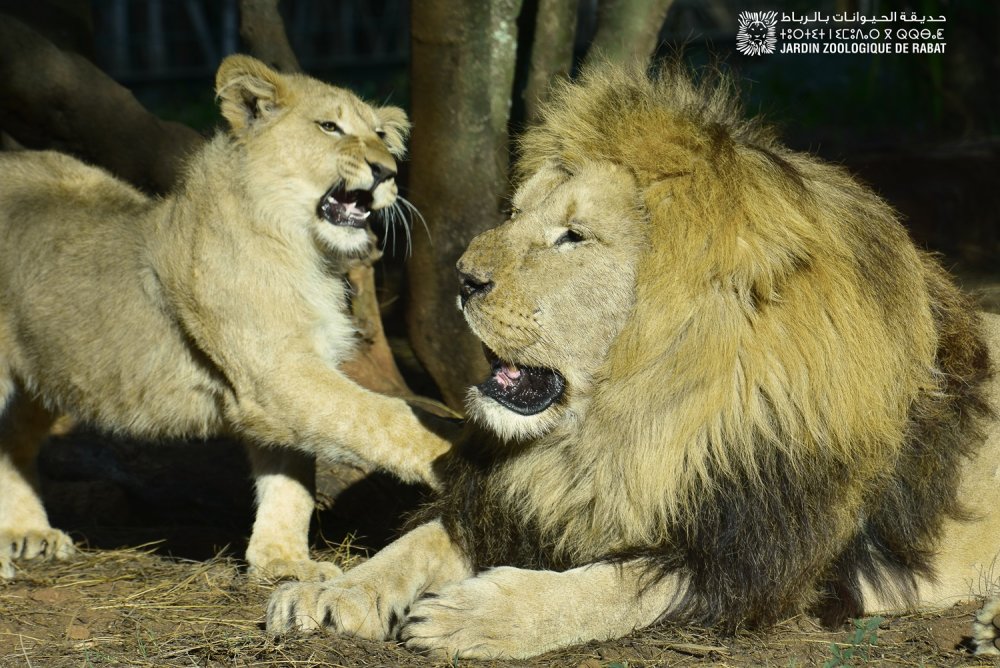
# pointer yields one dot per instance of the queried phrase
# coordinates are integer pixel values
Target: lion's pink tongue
(507, 375)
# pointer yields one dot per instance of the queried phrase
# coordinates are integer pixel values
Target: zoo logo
(756, 34)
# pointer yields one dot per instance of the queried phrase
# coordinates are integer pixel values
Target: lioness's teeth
(365, 217)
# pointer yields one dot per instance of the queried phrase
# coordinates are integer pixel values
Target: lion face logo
(756, 34)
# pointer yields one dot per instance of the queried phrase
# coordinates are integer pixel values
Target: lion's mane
(786, 409)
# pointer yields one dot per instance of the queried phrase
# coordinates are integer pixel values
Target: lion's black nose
(380, 173)
(472, 286)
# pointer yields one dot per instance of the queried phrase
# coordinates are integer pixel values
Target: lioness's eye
(569, 237)
(330, 127)
(380, 134)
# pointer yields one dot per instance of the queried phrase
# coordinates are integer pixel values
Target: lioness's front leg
(25, 532)
(315, 408)
(279, 545)
(517, 613)
(369, 601)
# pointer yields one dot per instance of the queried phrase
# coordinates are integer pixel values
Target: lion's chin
(346, 241)
(506, 424)
(516, 401)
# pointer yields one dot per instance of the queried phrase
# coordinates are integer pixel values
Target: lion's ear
(396, 126)
(249, 91)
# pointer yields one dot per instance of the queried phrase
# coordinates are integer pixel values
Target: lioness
(726, 388)
(220, 308)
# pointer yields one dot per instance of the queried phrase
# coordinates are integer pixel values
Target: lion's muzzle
(524, 390)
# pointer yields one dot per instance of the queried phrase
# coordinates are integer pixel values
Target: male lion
(727, 389)
(220, 308)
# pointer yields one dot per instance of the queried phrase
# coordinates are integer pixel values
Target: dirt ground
(178, 595)
(135, 608)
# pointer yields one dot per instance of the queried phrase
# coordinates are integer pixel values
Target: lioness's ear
(396, 127)
(249, 91)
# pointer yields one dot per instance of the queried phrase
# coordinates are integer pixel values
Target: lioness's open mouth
(349, 208)
(525, 390)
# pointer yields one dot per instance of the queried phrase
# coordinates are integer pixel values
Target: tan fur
(218, 309)
(758, 364)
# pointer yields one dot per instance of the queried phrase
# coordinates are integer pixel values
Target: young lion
(219, 309)
(727, 387)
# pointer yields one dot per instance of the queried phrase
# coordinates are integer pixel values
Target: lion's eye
(380, 134)
(330, 128)
(570, 237)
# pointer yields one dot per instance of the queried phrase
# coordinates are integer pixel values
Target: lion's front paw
(477, 618)
(356, 610)
(305, 570)
(986, 629)
(18, 545)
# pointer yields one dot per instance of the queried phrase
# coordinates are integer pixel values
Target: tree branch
(51, 98)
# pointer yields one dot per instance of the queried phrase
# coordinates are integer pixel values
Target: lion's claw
(340, 608)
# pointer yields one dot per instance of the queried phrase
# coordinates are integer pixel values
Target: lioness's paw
(32, 544)
(476, 618)
(356, 610)
(305, 570)
(986, 628)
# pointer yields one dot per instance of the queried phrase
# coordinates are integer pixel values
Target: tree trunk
(263, 32)
(551, 52)
(628, 30)
(463, 58)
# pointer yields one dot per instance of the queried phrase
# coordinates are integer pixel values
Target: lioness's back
(77, 288)
(49, 173)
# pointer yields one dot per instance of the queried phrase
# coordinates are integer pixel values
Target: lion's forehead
(600, 183)
(601, 199)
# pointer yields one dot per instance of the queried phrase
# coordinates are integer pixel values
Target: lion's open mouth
(349, 208)
(525, 390)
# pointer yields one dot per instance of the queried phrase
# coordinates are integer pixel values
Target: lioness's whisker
(396, 215)
(416, 212)
(409, 240)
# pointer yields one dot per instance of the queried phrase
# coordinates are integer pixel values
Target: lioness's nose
(381, 172)
(472, 286)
